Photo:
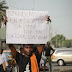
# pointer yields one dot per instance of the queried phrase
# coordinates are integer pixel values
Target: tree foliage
(60, 41)
(3, 8)
(67, 43)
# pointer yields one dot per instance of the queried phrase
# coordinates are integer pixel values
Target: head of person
(1, 51)
(28, 50)
(21, 50)
(48, 43)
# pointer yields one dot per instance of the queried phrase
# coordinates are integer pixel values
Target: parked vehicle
(11, 60)
(12, 66)
(62, 56)
(8, 54)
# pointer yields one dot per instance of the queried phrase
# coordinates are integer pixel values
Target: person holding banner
(29, 62)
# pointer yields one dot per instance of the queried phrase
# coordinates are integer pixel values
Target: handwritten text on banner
(27, 27)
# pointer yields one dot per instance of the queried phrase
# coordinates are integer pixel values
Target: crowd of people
(28, 60)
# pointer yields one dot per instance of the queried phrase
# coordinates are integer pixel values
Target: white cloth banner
(27, 27)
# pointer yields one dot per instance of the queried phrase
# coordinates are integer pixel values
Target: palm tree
(2, 11)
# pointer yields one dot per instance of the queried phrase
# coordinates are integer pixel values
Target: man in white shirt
(3, 61)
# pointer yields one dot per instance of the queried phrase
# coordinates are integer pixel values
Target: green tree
(3, 8)
(58, 40)
(67, 43)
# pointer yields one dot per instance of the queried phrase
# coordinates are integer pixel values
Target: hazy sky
(60, 12)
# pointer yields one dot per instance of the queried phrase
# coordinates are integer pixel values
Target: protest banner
(27, 27)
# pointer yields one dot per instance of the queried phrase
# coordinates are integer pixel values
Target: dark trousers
(1, 68)
(50, 63)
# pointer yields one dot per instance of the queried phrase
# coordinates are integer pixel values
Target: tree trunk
(1, 45)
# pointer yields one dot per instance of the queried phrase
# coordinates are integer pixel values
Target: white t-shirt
(27, 68)
(3, 59)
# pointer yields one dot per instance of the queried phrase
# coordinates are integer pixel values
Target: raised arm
(11, 46)
(13, 50)
(53, 51)
(5, 20)
(40, 48)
